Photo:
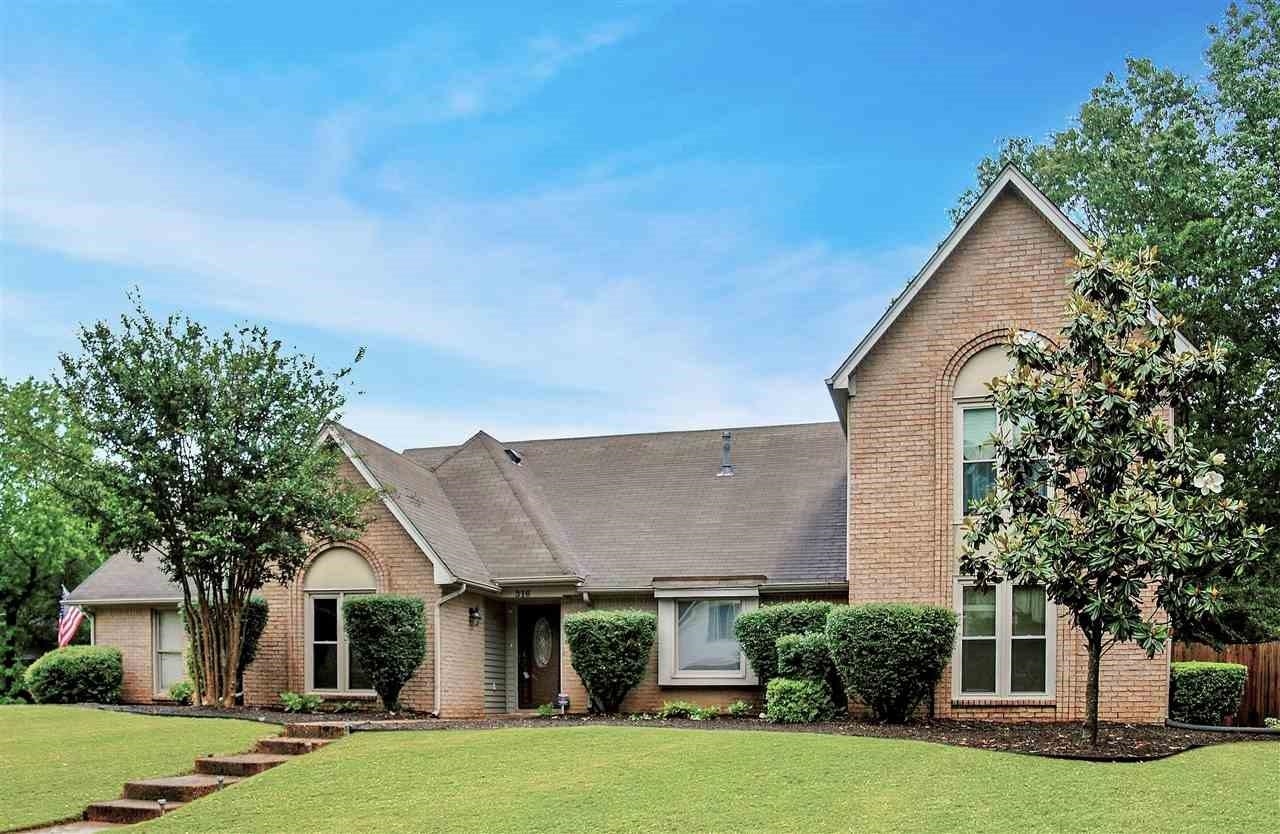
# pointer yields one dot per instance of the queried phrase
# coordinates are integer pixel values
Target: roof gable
(1009, 178)
(415, 498)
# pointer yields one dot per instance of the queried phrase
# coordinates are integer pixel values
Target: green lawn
(56, 760)
(648, 779)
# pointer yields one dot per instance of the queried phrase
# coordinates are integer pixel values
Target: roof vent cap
(515, 456)
(726, 446)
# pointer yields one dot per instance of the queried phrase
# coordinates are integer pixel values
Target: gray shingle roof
(418, 493)
(613, 511)
(123, 578)
(632, 507)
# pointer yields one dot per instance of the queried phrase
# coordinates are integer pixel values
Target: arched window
(334, 576)
(975, 423)
(1005, 646)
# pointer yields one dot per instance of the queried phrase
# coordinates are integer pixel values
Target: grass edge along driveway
(55, 760)
(650, 779)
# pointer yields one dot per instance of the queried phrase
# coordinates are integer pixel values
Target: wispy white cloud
(649, 291)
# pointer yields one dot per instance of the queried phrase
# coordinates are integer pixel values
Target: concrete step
(316, 729)
(128, 810)
(244, 764)
(290, 746)
(175, 788)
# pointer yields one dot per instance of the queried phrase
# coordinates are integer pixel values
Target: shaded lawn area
(56, 760)
(648, 779)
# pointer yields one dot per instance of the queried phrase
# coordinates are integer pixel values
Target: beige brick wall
(128, 628)
(1010, 271)
(400, 568)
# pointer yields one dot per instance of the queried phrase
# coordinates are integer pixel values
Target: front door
(538, 665)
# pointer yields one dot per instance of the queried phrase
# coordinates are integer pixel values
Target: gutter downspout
(435, 677)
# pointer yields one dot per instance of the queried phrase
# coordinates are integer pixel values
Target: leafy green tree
(210, 443)
(44, 542)
(1100, 500)
(1155, 158)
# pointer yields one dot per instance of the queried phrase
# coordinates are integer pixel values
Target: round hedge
(610, 652)
(388, 638)
(1204, 693)
(891, 655)
(758, 631)
(77, 674)
(797, 701)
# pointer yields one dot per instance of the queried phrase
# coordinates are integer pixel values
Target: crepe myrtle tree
(1099, 499)
(210, 445)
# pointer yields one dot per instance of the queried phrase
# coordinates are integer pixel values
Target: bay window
(696, 641)
(1006, 643)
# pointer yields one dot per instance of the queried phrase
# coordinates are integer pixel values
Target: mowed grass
(626, 779)
(56, 760)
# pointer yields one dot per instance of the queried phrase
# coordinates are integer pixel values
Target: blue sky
(588, 219)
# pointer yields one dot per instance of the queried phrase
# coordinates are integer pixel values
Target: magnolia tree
(1100, 499)
(209, 445)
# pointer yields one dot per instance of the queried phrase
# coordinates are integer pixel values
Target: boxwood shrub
(1203, 692)
(758, 631)
(797, 701)
(891, 655)
(77, 674)
(610, 652)
(388, 637)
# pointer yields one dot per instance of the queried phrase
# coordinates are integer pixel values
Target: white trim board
(1009, 177)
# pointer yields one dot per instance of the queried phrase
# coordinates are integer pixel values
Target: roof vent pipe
(726, 445)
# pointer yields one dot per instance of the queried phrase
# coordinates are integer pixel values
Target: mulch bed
(1116, 742)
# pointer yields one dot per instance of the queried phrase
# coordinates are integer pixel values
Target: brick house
(502, 540)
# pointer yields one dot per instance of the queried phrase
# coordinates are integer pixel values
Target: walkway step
(244, 764)
(290, 746)
(175, 788)
(128, 810)
(316, 729)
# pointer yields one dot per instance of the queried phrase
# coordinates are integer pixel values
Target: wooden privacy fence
(1261, 690)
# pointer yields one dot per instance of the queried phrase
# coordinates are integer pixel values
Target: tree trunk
(1091, 698)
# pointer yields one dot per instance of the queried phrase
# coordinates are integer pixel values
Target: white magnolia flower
(1027, 337)
(1218, 459)
(1208, 482)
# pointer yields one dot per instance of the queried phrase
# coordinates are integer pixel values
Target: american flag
(69, 619)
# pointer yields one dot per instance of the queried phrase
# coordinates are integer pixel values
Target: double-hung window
(1006, 645)
(169, 639)
(336, 575)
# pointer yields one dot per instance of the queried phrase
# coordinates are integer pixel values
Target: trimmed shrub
(807, 657)
(758, 631)
(797, 701)
(891, 655)
(253, 621)
(1204, 693)
(388, 637)
(77, 674)
(610, 652)
(741, 709)
(804, 656)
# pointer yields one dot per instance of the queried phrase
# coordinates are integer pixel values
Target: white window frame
(669, 672)
(158, 687)
(344, 648)
(1004, 647)
(962, 405)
